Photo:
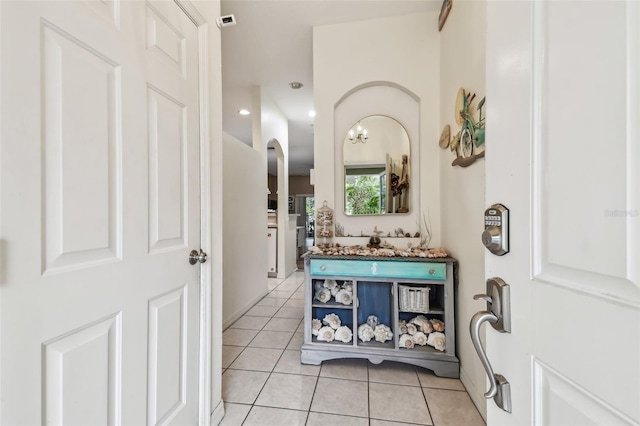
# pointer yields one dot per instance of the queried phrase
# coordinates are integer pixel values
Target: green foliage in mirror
(363, 194)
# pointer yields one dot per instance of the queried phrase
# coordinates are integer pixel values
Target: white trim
(235, 317)
(204, 373)
(633, 151)
(217, 414)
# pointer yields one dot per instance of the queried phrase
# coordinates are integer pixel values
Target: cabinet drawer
(374, 268)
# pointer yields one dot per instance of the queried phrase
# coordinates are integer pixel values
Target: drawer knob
(432, 271)
(323, 268)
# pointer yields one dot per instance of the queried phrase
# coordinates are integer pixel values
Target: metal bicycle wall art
(468, 143)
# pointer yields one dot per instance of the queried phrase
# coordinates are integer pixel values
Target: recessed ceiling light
(243, 112)
(312, 113)
(295, 85)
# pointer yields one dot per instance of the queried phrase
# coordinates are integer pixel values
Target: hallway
(263, 382)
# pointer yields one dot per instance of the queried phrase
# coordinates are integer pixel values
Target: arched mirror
(376, 167)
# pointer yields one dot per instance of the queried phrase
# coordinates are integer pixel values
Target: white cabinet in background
(272, 251)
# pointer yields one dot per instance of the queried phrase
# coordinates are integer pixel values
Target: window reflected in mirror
(376, 167)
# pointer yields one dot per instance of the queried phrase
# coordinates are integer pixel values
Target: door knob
(498, 314)
(195, 257)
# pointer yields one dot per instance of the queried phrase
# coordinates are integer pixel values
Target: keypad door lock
(496, 229)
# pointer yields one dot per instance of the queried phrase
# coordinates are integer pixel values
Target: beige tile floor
(264, 383)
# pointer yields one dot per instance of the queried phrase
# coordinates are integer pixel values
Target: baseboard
(477, 397)
(235, 317)
(217, 414)
(295, 268)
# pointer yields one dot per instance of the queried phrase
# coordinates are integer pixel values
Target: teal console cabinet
(394, 291)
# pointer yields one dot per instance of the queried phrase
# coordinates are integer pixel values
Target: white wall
(462, 62)
(245, 228)
(363, 54)
(274, 125)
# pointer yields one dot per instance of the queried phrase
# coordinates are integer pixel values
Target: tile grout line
(274, 366)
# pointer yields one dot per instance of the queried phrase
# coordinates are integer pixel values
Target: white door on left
(99, 306)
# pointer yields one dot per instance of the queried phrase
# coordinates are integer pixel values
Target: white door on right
(563, 154)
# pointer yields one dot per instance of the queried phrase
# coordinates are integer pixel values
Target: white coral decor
(405, 341)
(382, 333)
(316, 325)
(436, 340)
(412, 329)
(323, 295)
(332, 320)
(419, 338)
(344, 334)
(437, 325)
(365, 332)
(422, 323)
(330, 284)
(326, 334)
(344, 296)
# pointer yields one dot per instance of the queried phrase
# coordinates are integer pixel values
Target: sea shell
(332, 320)
(335, 290)
(382, 333)
(330, 284)
(406, 341)
(323, 295)
(317, 285)
(344, 334)
(423, 324)
(372, 320)
(402, 327)
(344, 296)
(326, 334)
(316, 325)
(365, 332)
(412, 329)
(436, 340)
(348, 285)
(419, 338)
(437, 325)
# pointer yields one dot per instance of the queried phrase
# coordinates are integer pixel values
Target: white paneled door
(563, 154)
(100, 205)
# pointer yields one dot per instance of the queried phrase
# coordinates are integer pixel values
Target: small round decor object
(461, 101)
(445, 137)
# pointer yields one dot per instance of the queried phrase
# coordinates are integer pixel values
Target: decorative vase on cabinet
(396, 309)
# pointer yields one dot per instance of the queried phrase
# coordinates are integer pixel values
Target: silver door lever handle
(484, 297)
(474, 328)
(498, 314)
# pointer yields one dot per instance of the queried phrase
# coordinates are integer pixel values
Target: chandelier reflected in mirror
(360, 135)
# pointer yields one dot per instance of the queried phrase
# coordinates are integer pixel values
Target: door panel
(167, 355)
(80, 156)
(581, 126)
(99, 310)
(564, 158)
(82, 375)
(168, 196)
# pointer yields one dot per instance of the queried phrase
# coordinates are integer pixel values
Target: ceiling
(271, 46)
